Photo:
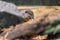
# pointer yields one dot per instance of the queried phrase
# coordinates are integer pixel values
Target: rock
(10, 15)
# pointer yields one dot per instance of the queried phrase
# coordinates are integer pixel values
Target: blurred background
(35, 2)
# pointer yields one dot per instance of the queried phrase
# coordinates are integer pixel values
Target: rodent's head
(28, 14)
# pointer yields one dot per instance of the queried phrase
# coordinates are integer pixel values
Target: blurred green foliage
(53, 27)
(34, 2)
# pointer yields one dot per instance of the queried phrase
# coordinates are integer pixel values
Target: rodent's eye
(30, 13)
(26, 11)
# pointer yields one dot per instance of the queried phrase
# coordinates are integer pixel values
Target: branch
(27, 28)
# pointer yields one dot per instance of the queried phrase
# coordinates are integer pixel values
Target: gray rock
(10, 15)
(10, 8)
